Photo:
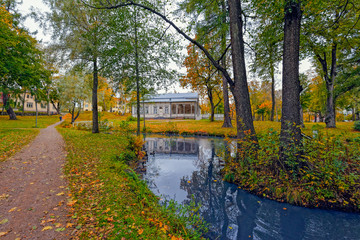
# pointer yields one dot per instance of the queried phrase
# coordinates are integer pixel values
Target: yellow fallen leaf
(60, 194)
(13, 209)
(4, 221)
(3, 233)
(71, 203)
(47, 228)
(69, 225)
(189, 181)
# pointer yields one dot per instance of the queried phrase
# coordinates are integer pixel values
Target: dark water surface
(188, 168)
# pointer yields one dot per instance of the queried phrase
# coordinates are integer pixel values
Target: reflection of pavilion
(168, 145)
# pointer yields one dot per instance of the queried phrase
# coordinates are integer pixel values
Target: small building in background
(29, 103)
(170, 105)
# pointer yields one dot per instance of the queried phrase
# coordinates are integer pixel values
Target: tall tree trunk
(239, 90)
(137, 77)
(273, 99)
(227, 118)
(36, 110)
(330, 118)
(23, 105)
(9, 110)
(95, 113)
(290, 136)
(48, 102)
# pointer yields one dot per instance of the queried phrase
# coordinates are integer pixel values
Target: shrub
(357, 125)
(171, 127)
(131, 119)
(127, 156)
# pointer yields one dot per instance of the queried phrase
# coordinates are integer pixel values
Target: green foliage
(329, 177)
(126, 156)
(130, 118)
(357, 125)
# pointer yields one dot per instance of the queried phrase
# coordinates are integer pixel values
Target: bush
(171, 128)
(131, 119)
(127, 156)
(357, 125)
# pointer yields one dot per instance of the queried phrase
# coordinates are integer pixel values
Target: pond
(189, 168)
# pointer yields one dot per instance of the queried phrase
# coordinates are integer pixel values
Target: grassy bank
(107, 198)
(14, 134)
(329, 179)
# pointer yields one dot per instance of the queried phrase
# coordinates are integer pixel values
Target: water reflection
(188, 168)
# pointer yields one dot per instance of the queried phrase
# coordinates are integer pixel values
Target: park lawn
(14, 134)
(12, 140)
(27, 121)
(205, 127)
(108, 199)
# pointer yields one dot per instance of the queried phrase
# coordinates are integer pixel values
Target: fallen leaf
(3, 233)
(60, 229)
(13, 209)
(71, 203)
(69, 225)
(140, 231)
(4, 196)
(4, 221)
(60, 194)
(47, 228)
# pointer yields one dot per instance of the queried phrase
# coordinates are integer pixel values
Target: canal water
(188, 168)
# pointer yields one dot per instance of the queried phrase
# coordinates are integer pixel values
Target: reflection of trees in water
(235, 214)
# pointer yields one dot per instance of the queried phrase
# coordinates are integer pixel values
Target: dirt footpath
(33, 193)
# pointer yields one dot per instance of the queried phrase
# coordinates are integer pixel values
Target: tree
(290, 136)
(267, 38)
(73, 92)
(327, 34)
(211, 25)
(21, 64)
(238, 86)
(82, 35)
(202, 77)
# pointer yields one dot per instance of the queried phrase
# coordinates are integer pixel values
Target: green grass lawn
(14, 134)
(344, 129)
(27, 121)
(108, 199)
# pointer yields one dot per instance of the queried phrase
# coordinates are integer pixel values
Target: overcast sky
(30, 23)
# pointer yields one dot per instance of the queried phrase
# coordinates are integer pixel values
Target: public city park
(186, 119)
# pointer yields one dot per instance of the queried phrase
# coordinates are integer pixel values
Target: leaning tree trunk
(8, 108)
(212, 107)
(290, 136)
(240, 91)
(95, 115)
